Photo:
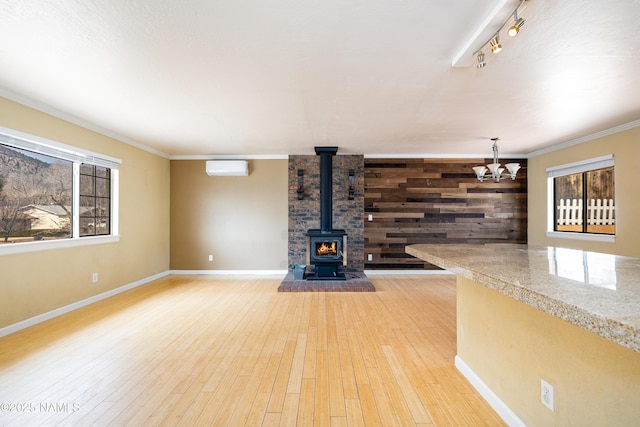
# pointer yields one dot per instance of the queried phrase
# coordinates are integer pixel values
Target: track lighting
(481, 62)
(517, 24)
(495, 43)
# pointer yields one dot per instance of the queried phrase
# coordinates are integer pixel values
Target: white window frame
(568, 169)
(76, 155)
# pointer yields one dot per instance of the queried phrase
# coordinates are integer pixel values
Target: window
(582, 197)
(95, 200)
(35, 196)
(51, 192)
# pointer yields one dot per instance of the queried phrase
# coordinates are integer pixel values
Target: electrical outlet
(210, 258)
(370, 217)
(546, 394)
(369, 257)
(94, 278)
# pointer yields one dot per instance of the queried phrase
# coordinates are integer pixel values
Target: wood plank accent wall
(437, 201)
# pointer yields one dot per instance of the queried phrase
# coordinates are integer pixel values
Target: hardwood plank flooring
(215, 351)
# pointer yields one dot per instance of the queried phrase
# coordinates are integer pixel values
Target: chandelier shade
(495, 168)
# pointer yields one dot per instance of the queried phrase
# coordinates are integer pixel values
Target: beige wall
(241, 221)
(37, 282)
(625, 146)
(512, 346)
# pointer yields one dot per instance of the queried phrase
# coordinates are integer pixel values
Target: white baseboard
(232, 272)
(76, 305)
(507, 415)
(284, 272)
(417, 272)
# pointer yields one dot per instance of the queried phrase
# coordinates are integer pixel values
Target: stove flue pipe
(326, 187)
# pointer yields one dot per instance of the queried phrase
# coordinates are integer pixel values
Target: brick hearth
(355, 282)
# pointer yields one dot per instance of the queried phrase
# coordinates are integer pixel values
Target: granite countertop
(594, 291)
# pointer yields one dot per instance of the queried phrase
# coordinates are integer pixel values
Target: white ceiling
(277, 77)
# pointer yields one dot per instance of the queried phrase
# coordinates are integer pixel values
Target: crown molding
(586, 138)
(229, 157)
(443, 156)
(31, 103)
(47, 109)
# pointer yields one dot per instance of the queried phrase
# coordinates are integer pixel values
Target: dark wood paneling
(438, 201)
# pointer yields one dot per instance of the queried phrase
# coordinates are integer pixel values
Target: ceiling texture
(278, 77)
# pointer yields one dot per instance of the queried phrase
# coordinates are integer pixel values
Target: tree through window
(53, 191)
(35, 196)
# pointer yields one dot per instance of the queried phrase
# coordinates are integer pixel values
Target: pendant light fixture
(496, 168)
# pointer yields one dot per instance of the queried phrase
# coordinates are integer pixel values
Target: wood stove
(327, 247)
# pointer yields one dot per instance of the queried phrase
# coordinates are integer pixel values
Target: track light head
(495, 44)
(481, 63)
(517, 24)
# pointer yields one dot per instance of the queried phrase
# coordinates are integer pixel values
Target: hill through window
(51, 191)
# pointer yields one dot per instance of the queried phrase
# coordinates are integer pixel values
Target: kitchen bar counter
(596, 292)
(529, 316)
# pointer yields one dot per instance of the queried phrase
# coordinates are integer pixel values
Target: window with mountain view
(35, 196)
(52, 191)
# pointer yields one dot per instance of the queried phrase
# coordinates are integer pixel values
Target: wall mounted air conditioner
(227, 168)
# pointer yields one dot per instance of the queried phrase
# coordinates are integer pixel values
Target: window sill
(25, 247)
(607, 238)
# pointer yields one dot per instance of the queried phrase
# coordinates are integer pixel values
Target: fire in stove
(326, 248)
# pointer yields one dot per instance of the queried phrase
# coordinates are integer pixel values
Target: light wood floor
(203, 350)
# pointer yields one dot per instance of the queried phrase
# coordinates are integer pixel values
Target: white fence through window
(599, 212)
